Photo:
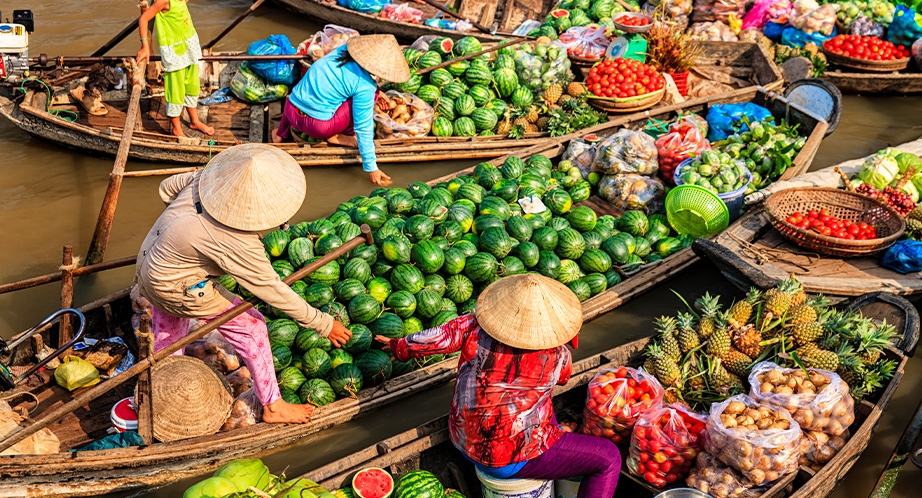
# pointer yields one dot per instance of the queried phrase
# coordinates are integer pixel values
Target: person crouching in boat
(209, 229)
(335, 100)
(513, 353)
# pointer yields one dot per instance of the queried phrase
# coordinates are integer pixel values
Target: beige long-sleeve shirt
(187, 246)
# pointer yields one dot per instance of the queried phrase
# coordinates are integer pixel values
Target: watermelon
(289, 396)
(457, 68)
(496, 206)
(419, 189)
(486, 175)
(458, 288)
(481, 96)
(290, 378)
(396, 248)
(418, 227)
(580, 288)
(315, 363)
(454, 261)
(419, 484)
(412, 325)
(368, 215)
(464, 105)
(467, 46)
(346, 380)
(281, 356)
(504, 61)
(454, 90)
(642, 247)
(347, 231)
(467, 307)
(427, 256)
(399, 201)
(485, 221)
(439, 78)
(582, 218)
(527, 252)
(668, 246)
(403, 303)
(365, 252)
(375, 366)
(300, 250)
(498, 107)
(466, 247)
(507, 82)
(282, 332)
(282, 268)
(443, 317)
(617, 249)
(348, 288)
(299, 230)
(275, 242)
(382, 269)
(464, 127)
(548, 264)
(399, 368)
(442, 127)
(379, 288)
(307, 339)
(484, 119)
(496, 241)
(569, 271)
(634, 223)
(411, 85)
(478, 76)
(522, 97)
(519, 228)
(408, 278)
(472, 192)
(686, 239)
(364, 308)
(546, 238)
(430, 94)
(513, 167)
(481, 267)
(428, 303)
(316, 392)
(506, 190)
(593, 239)
(612, 278)
(429, 59)
(442, 46)
(558, 201)
(535, 219)
(597, 283)
(595, 261)
(450, 231)
(339, 356)
(372, 483)
(570, 245)
(357, 269)
(434, 210)
(510, 265)
(633, 262)
(227, 282)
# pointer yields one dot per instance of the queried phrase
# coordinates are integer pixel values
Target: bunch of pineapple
(706, 358)
(556, 112)
(914, 224)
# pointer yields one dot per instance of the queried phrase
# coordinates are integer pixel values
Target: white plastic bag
(43, 442)
(585, 42)
(246, 411)
(325, 41)
(402, 12)
(407, 117)
(627, 151)
(810, 17)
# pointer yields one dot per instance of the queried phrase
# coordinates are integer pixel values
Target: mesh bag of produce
(581, 152)
(720, 481)
(247, 410)
(763, 444)
(665, 444)
(864, 26)
(711, 31)
(543, 65)
(615, 401)
(809, 17)
(717, 10)
(240, 380)
(407, 116)
(685, 139)
(586, 42)
(627, 151)
(818, 448)
(216, 352)
(818, 400)
(904, 30)
(633, 191)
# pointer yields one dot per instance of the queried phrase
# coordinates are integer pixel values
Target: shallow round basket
(843, 205)
(628, 105)
(866, 65)
(633, 29)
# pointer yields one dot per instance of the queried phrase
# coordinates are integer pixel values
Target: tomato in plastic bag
(665, 444)
(615, 401)
(685, 139)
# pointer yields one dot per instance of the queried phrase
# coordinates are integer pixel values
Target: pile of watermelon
(378, 483)
(569, 13)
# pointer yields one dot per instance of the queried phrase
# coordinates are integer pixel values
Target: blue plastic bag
(773, 30)
(364, 6)
(904, 257)
(904, 30)
(726, 119)
(794, 37)
(112, 441)
(274, 72)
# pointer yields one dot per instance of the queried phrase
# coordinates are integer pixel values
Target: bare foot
(177, 131)
(283, 412)
(202, 127)
(276, 139)
(344, 140)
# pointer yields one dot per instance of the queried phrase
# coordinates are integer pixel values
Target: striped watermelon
(481, 94)
(595, 261)
(418, 227)
(429, 59)
(546, 238)
(496, 206)
(307, 339)
(408, 278)
(454, 261)
(496, 241)
(366, 252)
(457, 68)
(283, 268)
(403, 303)
(593, 239)
(486, 175)
(282, 332)
(427, 256)
(498, 107)
(290, 378)
(375, 366)
(464, 105)
(338, 312)
(570, 245)
(442, 127)
(388, 325)
(430, 94)
(399, 201)
(668, 246)
(446, 108)
(467, 46)
(346, 232)
(548, 264)
(315, 363)
(582, 218)
(361, 339)
(504, 61)
(299, 230)
(369, 483)
(428, 303)
(358, 269)
(485, 221)
(380, 269)
(290, 396)
(597, 282)
(450, 231)
(326, 274)
(464, 127)
(300, 250)
(419, 484)
(435, 282)
(643, 247)
(519, 228)
(506, 82)
(511, 265)
(339, 356)
(369, 215)
(363, 308)
(348, 288)
(318, 228)
(581, 191)
(634, 223)
(443, 317)
(275, 242)
(522, 97)
(467, 247)
(411, 85)
(484, 119)
(580, 288)
(458, 288)
(478, 76)
(443, 46)
(229, 283)
(396, 248)
(472, 192)
(506, 189)
(316, 392)
(346, 380)
(419, 189)
(440, 77)
(558, 201)
(527, 252)
(481, 267)
(569, 271)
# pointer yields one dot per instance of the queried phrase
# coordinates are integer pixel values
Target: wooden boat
(237, 122)
(428, 447)
(752, 252)
(96, 472)
(894, 83)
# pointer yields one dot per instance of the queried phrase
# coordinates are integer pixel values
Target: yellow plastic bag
(76, 372)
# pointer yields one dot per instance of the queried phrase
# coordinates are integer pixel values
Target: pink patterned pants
(247, 333)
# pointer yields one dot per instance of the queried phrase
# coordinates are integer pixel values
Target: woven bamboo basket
(630, 104)
(843, 205)
(866, 65)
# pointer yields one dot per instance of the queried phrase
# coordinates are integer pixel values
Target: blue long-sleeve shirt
(327, 85)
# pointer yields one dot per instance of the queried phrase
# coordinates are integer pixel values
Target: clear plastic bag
(904, 30)
(810, 17)
(216, 352)
(633, 192)
(717, 10)
(720, 481)
(326, 40)
(249, 87)
(685, 139)
(541, 66)
(217, 97)
(665, 444)
(43, 442)
(246, 411)
(75, 372)
(274, 72)
(585, 42)
(674, 8)
(364, 6)
(818, 448)
(817, 402)
(611, 411)
(627, 151)
(240, 380)
(762, 455)
(581, 152)
(712, 31)
(407, 117)
(402, 12)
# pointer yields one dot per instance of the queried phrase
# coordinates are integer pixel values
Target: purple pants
(597, 460)
(340, 123)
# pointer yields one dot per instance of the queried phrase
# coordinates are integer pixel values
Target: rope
(58, 113)
(23, 393)
(71, 267)
(762, 255)
(211, 143)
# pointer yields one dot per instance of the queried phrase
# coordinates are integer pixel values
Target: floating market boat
(752, 252)
(428, 446)
(866, 83)
(92, 473)
(237, 122)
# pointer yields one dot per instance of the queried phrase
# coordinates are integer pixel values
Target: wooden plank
(479, 11)
(257, 131)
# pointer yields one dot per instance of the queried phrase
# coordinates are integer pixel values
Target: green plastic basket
(696, 211)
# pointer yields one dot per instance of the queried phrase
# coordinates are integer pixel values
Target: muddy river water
(51, 196)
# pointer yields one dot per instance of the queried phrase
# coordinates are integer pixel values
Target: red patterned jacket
(501, 412)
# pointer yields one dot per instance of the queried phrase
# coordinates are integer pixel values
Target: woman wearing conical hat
(513, 353)
(209, 229)
(335, 101)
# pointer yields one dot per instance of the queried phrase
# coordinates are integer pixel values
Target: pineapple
(802, 314)
(916, 214)
(814, 357)
(563, 100)
(709, 307)
(666, 328)
(664, 367)
(542, 123)
(503, 127)
(720, 379)
(794, 289)
(805, 333)
(719, 342)
(747, 340)
(738, 363)
(552, 94)
(649, 365)
(688, 337)
(850, 367)
(692, 375)
(520, 122)
(778, 299)
(741, 311)
(530, 128)
(532, 114)
(873, 340)
(575, 89)
(914, 227)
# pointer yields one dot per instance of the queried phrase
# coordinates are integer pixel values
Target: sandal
(92, 106)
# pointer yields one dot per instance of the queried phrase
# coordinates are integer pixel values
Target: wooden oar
(233, 25)
(898, 458)
(471, 56)
(44, 59)
(457, 16)
(98, 390)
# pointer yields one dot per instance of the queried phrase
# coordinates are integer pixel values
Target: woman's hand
(339, 334)
(143, 55)
(385, 342)
(379, 178)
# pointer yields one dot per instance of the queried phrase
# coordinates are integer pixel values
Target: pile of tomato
(870, 48)
(632, 21)
(616, 400)
(823, 223)
(665, 444)
(685, 139)
(623, 78)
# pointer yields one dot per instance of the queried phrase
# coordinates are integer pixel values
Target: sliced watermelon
(372, 483)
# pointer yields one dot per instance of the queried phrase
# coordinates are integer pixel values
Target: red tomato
(652, 466)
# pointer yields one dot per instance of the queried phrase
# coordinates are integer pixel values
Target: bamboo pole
(77, 272)
(141, 323)
(65, 331)
(160, 172)
(44, 59)
(233, 25)
(104, 387)
(475, 54)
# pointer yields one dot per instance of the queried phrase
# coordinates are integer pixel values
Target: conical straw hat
(529, 311)
(381, 56)
(189, 399)
(252, 187)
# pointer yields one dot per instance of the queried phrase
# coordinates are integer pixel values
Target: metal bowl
(633, 29)
(683, 493)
